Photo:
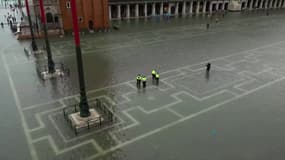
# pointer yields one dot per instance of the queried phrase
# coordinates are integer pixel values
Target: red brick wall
(95, 10)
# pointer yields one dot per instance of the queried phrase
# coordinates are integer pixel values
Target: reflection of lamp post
(37, 25)
(49, 55)
(34, 45)
(84, 107)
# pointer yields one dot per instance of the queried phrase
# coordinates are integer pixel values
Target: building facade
(125, 9)
(92, 14)
(96, 14)
(53, 15)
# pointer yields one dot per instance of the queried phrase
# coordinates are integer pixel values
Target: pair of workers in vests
(142, 79)
(155, 76)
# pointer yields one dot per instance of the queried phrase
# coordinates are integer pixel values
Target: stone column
(161, 8)
(128, 11)
(191, 7)
(283, 4)
(169, 9)
(198, 7)
(153, 9)
(137, 10)
(145, 9)
(217, 6)
(260, 5)
(274, 4)
(204, 6)
(223, 6)
(265, 4)
(176, 8)
(184, 8)
(110, 12)
(270, 4)
(210, 7)
(279, 4)
(119, 11)
(256, 3)
(250, 4)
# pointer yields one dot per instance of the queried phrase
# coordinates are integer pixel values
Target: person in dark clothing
(208, 25)
(208, 67)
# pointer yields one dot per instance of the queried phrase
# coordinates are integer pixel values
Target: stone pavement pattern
(182, 94)
(147, 119)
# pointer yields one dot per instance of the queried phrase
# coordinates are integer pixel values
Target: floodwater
(234, 112)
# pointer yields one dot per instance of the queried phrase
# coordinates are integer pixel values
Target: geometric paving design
(182, 94)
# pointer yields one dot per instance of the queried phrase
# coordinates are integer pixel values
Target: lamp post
(34, 45)
(84, 107)
(51, 68)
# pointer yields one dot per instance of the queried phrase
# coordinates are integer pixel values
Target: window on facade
(68, 4)
(80, 19)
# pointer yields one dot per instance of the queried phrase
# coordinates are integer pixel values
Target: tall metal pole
(84, 107)
(49, 55)
(34, 45)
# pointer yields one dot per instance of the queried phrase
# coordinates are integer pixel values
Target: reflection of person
(2, 24)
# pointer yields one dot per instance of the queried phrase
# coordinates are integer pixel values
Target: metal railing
(106, 116)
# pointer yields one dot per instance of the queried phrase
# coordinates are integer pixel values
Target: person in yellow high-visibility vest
(139, 78)
(144, 81)
(157, 78)
(153, 72)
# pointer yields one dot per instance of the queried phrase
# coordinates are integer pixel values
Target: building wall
(87, 10)
(52, 8)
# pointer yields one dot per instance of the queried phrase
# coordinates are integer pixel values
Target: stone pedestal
(83, 122)
(46, 75)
